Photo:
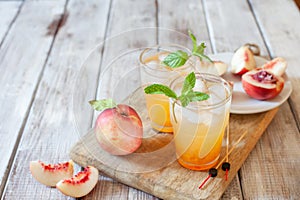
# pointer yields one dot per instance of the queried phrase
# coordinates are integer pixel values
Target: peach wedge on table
(80, 184)
(50, 174)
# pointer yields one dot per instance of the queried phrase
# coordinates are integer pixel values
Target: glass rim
(225, 83)
(147, 49)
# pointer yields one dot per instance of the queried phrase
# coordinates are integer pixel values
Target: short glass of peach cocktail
(153, 70)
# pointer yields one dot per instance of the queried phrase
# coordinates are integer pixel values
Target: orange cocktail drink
(159, 112)
(199, 128)
(154, 71)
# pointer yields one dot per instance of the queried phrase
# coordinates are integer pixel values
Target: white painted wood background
(42, 46)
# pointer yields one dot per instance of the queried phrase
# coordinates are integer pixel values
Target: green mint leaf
(192, 96)
(200, 49)
(176, 59)
(187, 93)
(160, 89)
(197, 96)
(103, 104)
(185, 100)
(189, 83)
(194, 40)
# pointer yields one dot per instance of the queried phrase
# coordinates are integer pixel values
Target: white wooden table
(42, 46)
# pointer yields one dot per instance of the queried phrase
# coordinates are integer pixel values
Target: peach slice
(80, 184)
(119, 130)
(221, 67)
(262, 84)
(50, 174)
(215, 67)
(277, 66)
(242, 61)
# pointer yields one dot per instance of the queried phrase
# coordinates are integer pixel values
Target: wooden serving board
(160, 174)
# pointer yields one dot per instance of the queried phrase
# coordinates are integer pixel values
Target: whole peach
(119, 130)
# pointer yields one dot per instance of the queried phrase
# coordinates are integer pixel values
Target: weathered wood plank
(22, 58)
(128, 16)
(231, 24)
(8, 12)
(124, 16)
(278, 176)
(233, 192)
(184, 16)
(49, 131)
(107, 189)
(271, 171)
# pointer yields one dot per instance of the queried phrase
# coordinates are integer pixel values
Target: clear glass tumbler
(199, 128)
(154, 71)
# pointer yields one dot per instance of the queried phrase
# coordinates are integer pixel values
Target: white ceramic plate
(241, 102)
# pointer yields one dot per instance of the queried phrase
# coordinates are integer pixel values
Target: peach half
(262, 84)
(277, 66)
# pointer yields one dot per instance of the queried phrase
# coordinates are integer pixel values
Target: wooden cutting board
(153, 167)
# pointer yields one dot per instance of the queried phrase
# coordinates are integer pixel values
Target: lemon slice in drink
(159, 114)
(158, 110)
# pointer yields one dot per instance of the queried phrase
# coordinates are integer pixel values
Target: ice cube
(196, 115)
(218, 93)
(162, 56)
(153, 63)
(200, 86)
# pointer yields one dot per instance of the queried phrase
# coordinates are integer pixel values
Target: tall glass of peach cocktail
(199, 127)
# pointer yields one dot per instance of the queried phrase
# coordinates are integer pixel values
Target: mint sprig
(102, 104)
(179, 57)
(160, 89)
(198, 50)
(176, 59)
(187, 93)
(189, 83)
